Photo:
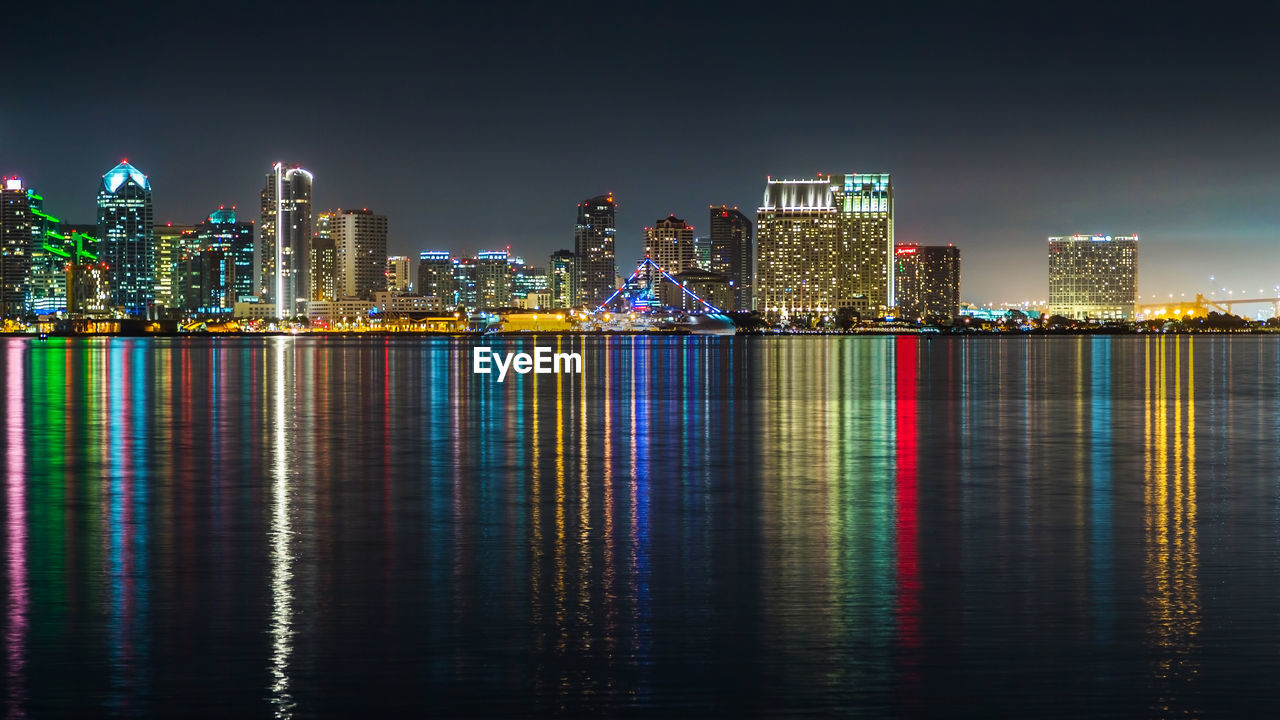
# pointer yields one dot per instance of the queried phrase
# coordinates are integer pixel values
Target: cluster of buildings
(818, 247)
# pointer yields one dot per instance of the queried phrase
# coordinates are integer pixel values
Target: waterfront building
(399, 277)
(493, 279)
(390, 302)
(282, 262)
(732, 253)
(126, 234)
(1093, 276)
(323, 259)
(594, 249)
(349, 310)
(435, 276)
(669, 244)
(928, 278)
(826, 244)
(17, 231)
(88, 288)
(562, 278)
(360, 253)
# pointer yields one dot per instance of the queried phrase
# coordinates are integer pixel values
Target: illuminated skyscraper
(562, 278)
(283, 258)
(1093, 276)
(493, 279)
(826, 244)
(17, 232)
(360, 253)
(323, 260)
(732, 253)
(215, 270)
(464, 282)
(399, 277)
(669, 244)
(928, 278)
(168, 239)
(594, 249)
(127, 239)
(435, 277)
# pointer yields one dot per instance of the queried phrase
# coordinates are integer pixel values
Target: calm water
(738, 527)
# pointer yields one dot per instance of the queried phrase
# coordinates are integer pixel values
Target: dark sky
(476, 127)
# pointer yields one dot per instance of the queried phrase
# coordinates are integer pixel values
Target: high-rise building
(826, 244)
(17, 231)
(46, 285)
(594, 248)
(323, 260)
(215, 268)
(1093, 276)
(168, 240)
(562, 278)
(435, 277)
(525, 279)
(399, 278)
(669, 244)
(464, 282)
(732, 253)
(493, 279)
(127, 239)
(360, 253)
(282, 261)
(928, 278)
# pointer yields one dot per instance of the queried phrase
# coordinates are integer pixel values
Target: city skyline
(996, 142)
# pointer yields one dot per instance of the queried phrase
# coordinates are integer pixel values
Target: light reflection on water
(747, 526)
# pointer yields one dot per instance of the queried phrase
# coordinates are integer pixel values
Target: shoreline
(927, 334)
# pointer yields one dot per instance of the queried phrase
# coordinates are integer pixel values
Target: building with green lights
(127, 240)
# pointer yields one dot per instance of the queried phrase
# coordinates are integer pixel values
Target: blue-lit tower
(126, 237)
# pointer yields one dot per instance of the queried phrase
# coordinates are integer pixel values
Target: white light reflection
(281, 557)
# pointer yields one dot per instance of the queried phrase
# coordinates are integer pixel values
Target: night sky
(480, 127)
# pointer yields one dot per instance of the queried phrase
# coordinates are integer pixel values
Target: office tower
(215, 268)
(826, 244)
(50, 251)
(88, 287)
(17, 230)
(669, 244)
(435, 277)
(493, 280)
(168, 241)
(324, 259)
(928, 278)
(525, 279)
(360, 253)
(464, 282)
(732, 253)
(127, 239)
(1093, 276)
(594, 248)
(562, 278)
(398, 277)
(282, 262)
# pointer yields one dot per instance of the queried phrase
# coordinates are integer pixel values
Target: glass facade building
(594, 248)
(126, 236)
(562, 278)
(733, 253)
(435, 277)
(282, 261)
